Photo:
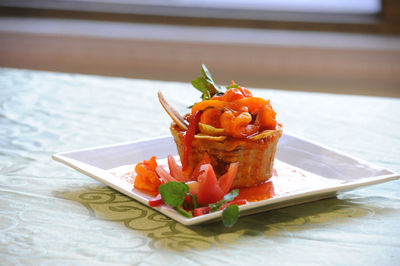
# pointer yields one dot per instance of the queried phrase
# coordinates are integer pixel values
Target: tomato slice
(189, 136)
(204, 159)
(163, 174)
(174, 169)
(226, 180)
(200, 211)
(156, 201)
(209, 190)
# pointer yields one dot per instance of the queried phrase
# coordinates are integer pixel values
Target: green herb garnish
(228, 197)
(183, 212)
(232, 86)
(192, 204)
(206, 84)
(230, 215)
(173, 193)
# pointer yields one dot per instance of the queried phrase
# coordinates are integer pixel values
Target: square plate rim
(101, 175)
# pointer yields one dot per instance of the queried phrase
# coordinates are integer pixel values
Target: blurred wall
(312, 61)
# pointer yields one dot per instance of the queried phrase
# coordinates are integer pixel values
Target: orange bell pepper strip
(221, 105)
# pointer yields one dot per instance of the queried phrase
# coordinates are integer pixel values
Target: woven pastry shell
(255, 157)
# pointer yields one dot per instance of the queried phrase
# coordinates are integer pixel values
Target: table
(51, 214)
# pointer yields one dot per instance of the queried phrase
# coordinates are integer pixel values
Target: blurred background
(337, 46)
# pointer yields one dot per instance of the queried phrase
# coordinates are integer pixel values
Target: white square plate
(327, 171)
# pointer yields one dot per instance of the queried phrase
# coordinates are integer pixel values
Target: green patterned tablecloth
(53, 215)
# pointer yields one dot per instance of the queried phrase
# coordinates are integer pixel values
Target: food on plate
(146, 179)
(230, 125)
(191, 197)
(225, 143)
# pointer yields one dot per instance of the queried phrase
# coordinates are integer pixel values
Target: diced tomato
(189, 136)
(163, 174)
(174, 169)
(156, 201)
(200, 211)
(209, 190)
(226, 180)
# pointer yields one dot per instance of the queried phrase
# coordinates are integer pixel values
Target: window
(365, 16)
(283, 44)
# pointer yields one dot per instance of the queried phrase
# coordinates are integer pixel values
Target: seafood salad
(227, 142)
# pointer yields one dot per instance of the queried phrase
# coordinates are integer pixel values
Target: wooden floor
(323, 62)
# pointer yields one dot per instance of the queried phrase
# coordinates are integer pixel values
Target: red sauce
(258, 192)
(286, 179)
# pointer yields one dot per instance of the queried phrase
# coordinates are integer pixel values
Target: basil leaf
(206, 73)
(201, 84)
(173, 193)
(230, 215)
(212, 86)
(206, 85)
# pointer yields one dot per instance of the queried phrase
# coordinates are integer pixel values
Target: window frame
(386, 22)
